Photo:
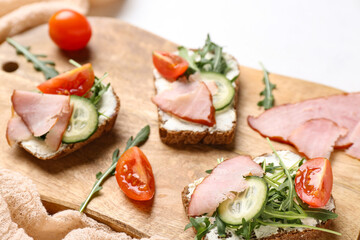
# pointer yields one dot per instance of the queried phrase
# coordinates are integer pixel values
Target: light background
(315, 40)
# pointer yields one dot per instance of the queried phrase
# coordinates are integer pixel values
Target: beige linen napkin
(23, 217)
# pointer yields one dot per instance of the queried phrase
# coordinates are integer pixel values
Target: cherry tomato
(134, 175)
(313, 182)
(75, 82)
(169, 65)
(70, 30)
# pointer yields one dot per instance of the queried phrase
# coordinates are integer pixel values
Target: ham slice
(17, 131)
(38, 111)
(55, 135)
(316, 137)
(279, 122)
(354, 150)
(227, 177)
(191, 101)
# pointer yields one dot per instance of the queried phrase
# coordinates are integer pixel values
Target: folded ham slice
(38, 111)
(54, 137)
(17, 130)
(316, 137)
(191, 101)
(279, 122)
(227, 177)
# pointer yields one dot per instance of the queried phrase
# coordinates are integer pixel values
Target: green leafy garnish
(268, 101)
(288, 203)
(220, 225)
(141, 137)
(284, 225)
(202, 226)
(210, 58)
(246, 228)
(45, 66)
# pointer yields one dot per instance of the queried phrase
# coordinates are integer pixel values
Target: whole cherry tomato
(313, 182)
(75, 82)
(70, 30)
(169, 65)
(134, 175)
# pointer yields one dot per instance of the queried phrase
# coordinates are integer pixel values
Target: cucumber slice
(225, 92)
(248, 204)
(83, 122)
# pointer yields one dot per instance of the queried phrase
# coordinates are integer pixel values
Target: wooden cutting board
(124, 51)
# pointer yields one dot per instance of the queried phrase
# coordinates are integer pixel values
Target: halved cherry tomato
(75, 82)
(169, 65)
(134, 175)
(70, 30)
(313, 182)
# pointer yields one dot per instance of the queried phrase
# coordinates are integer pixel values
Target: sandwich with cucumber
(63, 114)
(196, 94)
(274, 196)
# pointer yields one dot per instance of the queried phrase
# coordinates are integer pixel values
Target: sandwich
(196, 95)
(274, 196)
(64, 114)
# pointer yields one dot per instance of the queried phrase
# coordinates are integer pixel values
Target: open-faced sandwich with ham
(196, 94)
(315, 126)
(274, 196)
(71, 110)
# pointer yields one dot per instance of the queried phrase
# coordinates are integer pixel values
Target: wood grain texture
(124, 52)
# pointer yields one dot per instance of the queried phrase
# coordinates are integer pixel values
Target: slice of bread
(308, 234)
(206, 135)
(108, 106)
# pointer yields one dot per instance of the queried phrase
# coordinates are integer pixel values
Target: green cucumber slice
(225, 92)
(248, 204)
(83, 122)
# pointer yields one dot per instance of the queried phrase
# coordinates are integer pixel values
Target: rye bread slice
(104, 127)
(307, 234)
(205, 137)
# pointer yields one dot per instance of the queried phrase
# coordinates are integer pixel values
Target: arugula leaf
(288, 203)
(284, 225)
(141, 137)
(268, 101)
(220, 226)
(202, 226)
(246, 229)
(216, 63)
(321, 214)
(209, 171)
(184, 53)
(39, 65)
(270, 168)
(289, 215)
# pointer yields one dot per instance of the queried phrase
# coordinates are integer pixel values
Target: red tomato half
(313, 182)
(134, 175)
(75, 82)
(70, 30)
(169, 65)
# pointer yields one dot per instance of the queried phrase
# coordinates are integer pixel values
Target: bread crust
(106, 126)
(190, 137)
(307, 234)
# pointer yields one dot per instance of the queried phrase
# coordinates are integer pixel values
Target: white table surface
(316, 40)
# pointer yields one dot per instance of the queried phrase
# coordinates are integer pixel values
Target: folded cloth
(19, 15)
(23, 217)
